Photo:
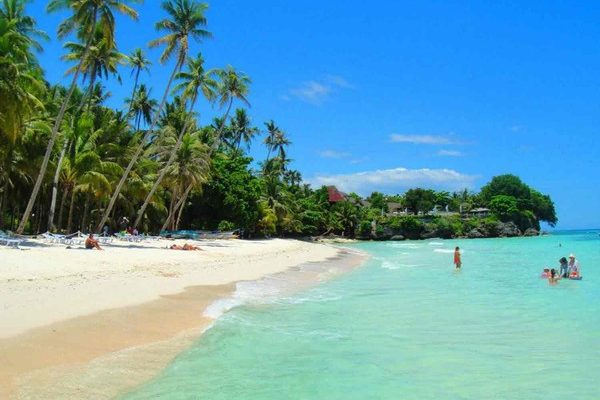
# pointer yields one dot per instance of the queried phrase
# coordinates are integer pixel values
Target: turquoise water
(407, 326)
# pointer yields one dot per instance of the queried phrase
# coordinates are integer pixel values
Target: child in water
(457, 260)
(553, 278)
(546, 273)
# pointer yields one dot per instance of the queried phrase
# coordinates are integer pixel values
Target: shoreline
(111, 350)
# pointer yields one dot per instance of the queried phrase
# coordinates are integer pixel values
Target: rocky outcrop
(531, 232)
(475, 234)
(397, 237)
(508, 229)
(429, 234)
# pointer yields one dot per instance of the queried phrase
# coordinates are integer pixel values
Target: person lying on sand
(184, 247)
(91, 243)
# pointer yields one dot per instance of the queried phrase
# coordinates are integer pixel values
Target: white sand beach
(69, 308)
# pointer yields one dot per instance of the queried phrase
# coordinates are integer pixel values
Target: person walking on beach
(457, 260)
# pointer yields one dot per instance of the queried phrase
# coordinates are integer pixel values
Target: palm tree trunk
(217, 142)
(165, 168)
(57, 122)
(71, 207)
(138, 152)
(181, 208)
(3, 202)
(177, 205)
(137, 76)
(62, 207)
(51, 226)
(86, 210)
(90, 93)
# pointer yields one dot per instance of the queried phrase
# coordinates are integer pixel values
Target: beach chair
(9, 241)
(105, 239)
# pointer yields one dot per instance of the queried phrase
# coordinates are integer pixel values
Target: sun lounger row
(9, 241)
(69, 240)
(198, 235)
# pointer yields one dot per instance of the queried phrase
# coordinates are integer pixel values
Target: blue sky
(390, 95)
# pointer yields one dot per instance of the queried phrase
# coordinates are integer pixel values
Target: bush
(411, 227)
(447, 228)
(364, 229)
(225, 226)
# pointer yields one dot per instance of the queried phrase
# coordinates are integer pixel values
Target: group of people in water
(569, 269)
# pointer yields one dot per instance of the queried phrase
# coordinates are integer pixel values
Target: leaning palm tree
(190, 169)
(86, 16)
(232, 85)
(138, 63)
(195, 80)
(101, 60)
(186, 20)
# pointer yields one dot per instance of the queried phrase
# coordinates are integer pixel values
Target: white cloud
(339, 81)
(359, 160)
(334, 154)
(316, 92)
(449, 153)
(516, 128)
(422, 139)
(396, 180)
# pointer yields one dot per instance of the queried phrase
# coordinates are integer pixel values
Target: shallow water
(407, 326)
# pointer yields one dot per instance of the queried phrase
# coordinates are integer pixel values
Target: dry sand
(80, 323)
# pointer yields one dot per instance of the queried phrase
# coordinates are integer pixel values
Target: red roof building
(335, 196)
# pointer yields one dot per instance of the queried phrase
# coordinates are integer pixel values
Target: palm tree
(20, 85)
(138, 62)
(186, 19)
(86, 16)
(142, 107)
(14, 11)
(272, 132)
(241, 129)
(101, 61)
(196, 79)
(280, 143)
(232, 85)
(190, 169)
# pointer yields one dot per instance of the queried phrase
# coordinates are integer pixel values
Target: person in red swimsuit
(457, 260)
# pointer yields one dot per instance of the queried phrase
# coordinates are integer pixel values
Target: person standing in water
(457, 260)
(564, 267)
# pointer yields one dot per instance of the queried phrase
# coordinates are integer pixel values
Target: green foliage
(419, 200)
(512, 200)
(189, 176)
(504, 207)
(225, 226)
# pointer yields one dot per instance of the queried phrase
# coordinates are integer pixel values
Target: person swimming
(553, 278)
(545, 273)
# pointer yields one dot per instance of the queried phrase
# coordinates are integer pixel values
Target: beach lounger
(9, 241)
(105, 239)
